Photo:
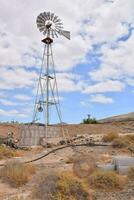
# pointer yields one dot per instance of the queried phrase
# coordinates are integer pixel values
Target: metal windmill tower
(47, 91)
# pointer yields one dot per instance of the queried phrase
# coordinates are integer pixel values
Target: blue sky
(95, 69)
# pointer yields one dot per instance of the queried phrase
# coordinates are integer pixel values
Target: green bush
(89, 120)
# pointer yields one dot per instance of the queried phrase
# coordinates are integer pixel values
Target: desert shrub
(107, 180)
(123, 141)
(6, 152)
(129, 139)
(16, 173)
(131, 173)
(63, 186)
(83, 165)
(110, 137)
(119, 143)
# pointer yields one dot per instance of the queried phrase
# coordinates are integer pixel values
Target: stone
(106, 167)
(123, 163)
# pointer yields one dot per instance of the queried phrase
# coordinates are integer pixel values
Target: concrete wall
(31, 135)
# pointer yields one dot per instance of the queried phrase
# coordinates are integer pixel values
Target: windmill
(47, 90)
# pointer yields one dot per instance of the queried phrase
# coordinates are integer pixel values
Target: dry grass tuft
(84, 165)
(6, 152)
(119, 143)
(131, 173)
(107, 180)
(129, 139)
(110, 137)
(123, 141)
(63, 186)
(16, 173)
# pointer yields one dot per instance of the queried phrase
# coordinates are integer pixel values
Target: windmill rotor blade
(59, 27)
(41, 29)
(45, 15)
(38, 21)
(58, 20)
(59, 24)
(40, 24)
(52, 33)
(51, 17)
(44, 32)
(48, 14)
(55, 18)
(42, 16)
(56, 33)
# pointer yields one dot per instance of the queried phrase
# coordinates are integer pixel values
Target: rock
(107, 167)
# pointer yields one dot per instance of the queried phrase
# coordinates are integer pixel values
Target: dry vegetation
(110, 137)
(6, 152)
(16, 173)
(131, 173)
(107, 180)
(63, 186)
(84, 167)
(123, 141)
(119, 141)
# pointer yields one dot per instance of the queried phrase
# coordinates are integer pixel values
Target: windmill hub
(49, 24)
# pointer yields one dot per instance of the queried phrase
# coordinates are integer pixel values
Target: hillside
(119, 118)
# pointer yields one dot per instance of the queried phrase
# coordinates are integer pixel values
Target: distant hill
(119, 118)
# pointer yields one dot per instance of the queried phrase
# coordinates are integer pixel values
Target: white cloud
(107, 21)
(12, 113)
(94, 20)
(7, 102)
(69, 82)
(106, 86)
(22, 97)
(99, 98)
(3, 94)
(117, 63)
(16, 78)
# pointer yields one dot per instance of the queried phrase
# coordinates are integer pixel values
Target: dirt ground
(59, 161)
